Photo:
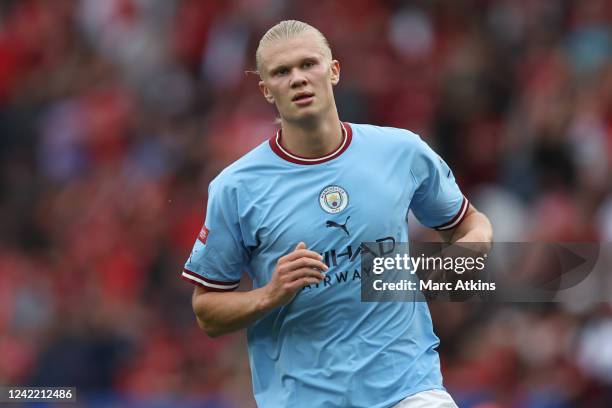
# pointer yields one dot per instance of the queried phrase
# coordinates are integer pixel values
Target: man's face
(298, 78)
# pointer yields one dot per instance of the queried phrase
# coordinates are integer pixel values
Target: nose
(297, 79)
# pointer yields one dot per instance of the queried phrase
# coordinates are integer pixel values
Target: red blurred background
(116, 114)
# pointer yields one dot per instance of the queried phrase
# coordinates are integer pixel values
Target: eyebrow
(303, 60)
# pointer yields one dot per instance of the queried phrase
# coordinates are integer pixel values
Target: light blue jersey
(326, 348)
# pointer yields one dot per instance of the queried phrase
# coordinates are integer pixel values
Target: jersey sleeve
(437, 202)
(219, 256)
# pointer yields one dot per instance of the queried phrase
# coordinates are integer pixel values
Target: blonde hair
(288, 29)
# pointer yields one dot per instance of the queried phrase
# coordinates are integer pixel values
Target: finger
(299, 253)
(303, 273)
(301, 245)
(304, 263)
(300, 283)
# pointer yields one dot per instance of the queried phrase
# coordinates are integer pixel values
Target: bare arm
(475, 227)
(219, 313)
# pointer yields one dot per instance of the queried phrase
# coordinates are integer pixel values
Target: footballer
(293, 213)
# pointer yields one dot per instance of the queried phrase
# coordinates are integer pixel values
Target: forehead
(291, 50)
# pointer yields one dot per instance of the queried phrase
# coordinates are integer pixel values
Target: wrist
(265, 301)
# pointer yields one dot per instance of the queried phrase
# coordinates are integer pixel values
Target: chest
(328, 209)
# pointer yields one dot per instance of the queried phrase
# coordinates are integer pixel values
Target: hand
(297, 269)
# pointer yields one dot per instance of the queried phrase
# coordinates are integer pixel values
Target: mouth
(303, 98)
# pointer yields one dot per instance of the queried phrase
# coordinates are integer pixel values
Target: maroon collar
(283, 153)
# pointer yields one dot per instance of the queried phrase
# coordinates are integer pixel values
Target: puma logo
(343, 227)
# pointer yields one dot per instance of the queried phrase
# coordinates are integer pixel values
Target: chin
(307, 117)
(305, 114)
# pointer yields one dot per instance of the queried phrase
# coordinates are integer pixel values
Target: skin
(310, 129)
(218, 313)
(294, 66)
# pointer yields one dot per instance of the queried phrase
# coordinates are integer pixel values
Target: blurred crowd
(116, 114)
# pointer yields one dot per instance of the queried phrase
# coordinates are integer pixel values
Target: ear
(335, 72)
(266, 92)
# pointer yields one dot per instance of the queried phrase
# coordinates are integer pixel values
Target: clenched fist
(297, 269)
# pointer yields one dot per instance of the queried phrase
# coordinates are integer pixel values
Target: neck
(312, 140)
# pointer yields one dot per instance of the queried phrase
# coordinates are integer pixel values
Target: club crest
(333, 199)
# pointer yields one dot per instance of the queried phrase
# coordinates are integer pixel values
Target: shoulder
(242, 171)
(388, 137)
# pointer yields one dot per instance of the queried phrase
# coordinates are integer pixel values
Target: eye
(281, 71)
(308, 64)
